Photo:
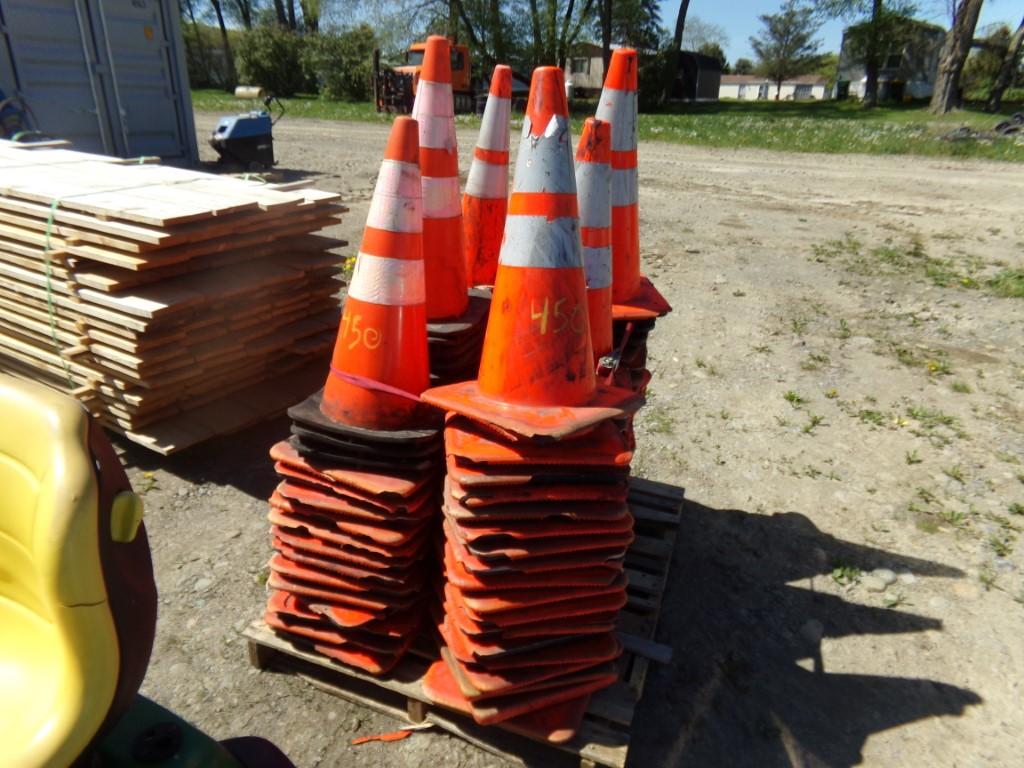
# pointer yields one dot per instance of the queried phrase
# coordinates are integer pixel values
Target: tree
(232, 77)
(786, 46)
(699, 33)
(1007, 70)
(872, 42)
(672, 60)
(946, 95)
(743, 67)
(714, 50)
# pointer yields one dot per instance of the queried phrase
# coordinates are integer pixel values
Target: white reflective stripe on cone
(594, 182)
(597, 263)
(534, 241)
(433, 99)
(391, 282)
(620, 109)
(544, 164)
(624, 187)
(437, 132)
(396, 204)
(487, 181)
(494, 130)
(441, 198)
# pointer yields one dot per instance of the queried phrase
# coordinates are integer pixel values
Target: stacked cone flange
(355, 513)
(636, 303)
(536, 525)
(455, 316)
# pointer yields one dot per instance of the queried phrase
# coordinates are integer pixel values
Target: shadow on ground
(734, 694)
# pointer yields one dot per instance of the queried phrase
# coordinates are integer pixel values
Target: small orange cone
(537, 368)
(594, 184)
(633, 294)
(485, 201)
(379, 366)
(439, 163)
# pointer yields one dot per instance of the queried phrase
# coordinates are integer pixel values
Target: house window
(580, 66)
(458, 61)
(762, 92)
(802, 92)
(894, 61)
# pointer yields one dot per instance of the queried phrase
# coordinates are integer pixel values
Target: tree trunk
(201, 52)
(535, 26)
(282, 19)
(606, 32)
(946, 95)
(872, 56)
(1006, 72)
(232, 77)
(291, 15)
(672, 64)
(310, 15)
(497, 32)
(563, 36)
(778, 89)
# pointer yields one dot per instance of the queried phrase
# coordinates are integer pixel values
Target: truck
(395, 88)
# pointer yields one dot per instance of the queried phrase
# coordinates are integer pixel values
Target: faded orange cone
(485, 201)
(380, 357)
(593, 183)
(439, 166)
(537, 366)
(634, 296)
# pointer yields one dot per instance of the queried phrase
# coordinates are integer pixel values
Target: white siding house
(758, 88)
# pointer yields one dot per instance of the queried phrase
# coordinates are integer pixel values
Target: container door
(136, 40)
(51, 63)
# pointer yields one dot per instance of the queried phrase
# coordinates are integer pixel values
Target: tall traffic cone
(485, 201)
(537, 367)
(633, 294)
(380, 364)
(439, 165)
(356, 509)
(594, 184)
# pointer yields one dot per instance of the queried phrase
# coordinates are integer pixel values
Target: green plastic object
(149, 736)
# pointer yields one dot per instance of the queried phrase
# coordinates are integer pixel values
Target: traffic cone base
(325, 529)
(416, 429)
(503, 655)
(647, 304)
(290, 570)
(300, 533)
(293, 497)
(378, 580)
(469, 474)
(562, 562)
(285, 602)
(541, 529)
(579, 577)
(603, 446)
(396, 624)
(281, 581)
(389, 487)
(311, 546)
(479, 686)
(486, 603)
(526, 494)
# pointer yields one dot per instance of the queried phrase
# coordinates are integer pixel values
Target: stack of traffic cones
(455, 316)
(354, 514)
(536, 523)
(485, 202)
(636, 303)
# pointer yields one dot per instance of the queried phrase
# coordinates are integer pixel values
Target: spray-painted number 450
(368, 337)
(554, 317)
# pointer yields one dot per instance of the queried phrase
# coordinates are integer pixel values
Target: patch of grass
(1016, 508)
(961, 387)
(704, 365)
(832, 394)
(954, 517)
(845, 575)
(762, 349)
(930, 418)
(799, 325)
(956, 472)
(794, 398)
(1001, 545)
(814, 361)
(1008, 283)
(301, 105)
(659, 420)
(911, 457)
(148, 483)
(844, 331)
(877, 418)
(813, 421)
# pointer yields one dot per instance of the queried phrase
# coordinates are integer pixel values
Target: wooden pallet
(604, 737)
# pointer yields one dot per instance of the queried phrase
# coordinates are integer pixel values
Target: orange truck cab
(462, 80)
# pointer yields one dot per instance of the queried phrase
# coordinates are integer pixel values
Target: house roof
(758, 79)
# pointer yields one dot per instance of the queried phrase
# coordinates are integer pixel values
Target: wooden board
(604, 736)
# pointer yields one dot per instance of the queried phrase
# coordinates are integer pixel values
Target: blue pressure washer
(247, 139)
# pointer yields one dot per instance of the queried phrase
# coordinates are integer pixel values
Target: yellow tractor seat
(77, 597)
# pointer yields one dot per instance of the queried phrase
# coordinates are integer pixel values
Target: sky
(739, 19)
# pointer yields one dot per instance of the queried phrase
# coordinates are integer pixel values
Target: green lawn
(826, 127)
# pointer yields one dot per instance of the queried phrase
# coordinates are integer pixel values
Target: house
(698, 77)
(758, 87)
(908, 69)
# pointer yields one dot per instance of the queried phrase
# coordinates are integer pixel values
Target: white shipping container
(108, 75)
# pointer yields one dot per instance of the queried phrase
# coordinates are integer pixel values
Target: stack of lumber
(177, 305)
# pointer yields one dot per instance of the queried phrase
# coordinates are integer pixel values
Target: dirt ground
(845, 410)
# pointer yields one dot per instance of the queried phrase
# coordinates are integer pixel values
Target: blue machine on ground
(247, 139)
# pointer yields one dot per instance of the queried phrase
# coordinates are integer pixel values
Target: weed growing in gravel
(814, 361)
(1001, 545)
(794, 398)
(961, 387)
(846, 575)
(1016, 508)
(931, 418)
(877, 418)
(813, 420)
(844, 331)
(954, 517)
(659, 420)
(832, 394)
(704, 365)
(762, 349)
(1008, 283)
(799, 325)
(955, 472)
(912, 457)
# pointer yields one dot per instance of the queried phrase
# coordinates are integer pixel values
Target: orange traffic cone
(537, 367)
(439, 164)
(485, 202)
(380, 366)
(594, 183)
(633, 294)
